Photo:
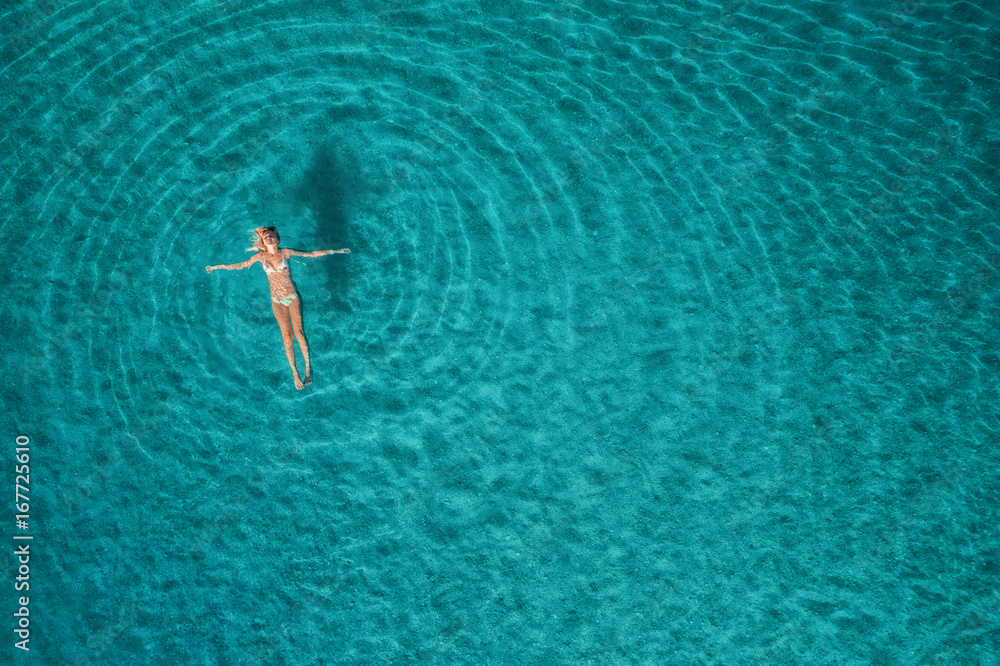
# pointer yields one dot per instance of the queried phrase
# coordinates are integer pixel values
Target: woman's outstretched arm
(317, 253)
(234, 267)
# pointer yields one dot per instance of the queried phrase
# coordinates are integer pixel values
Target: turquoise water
(668, 335)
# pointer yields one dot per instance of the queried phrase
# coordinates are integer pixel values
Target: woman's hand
(209, 269)
(343, 250)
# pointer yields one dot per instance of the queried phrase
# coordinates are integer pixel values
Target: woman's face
(269, 237)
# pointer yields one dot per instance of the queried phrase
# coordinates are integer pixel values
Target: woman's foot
(298, 383)
(308, 381)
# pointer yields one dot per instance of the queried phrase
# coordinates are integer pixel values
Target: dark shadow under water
(327, 188)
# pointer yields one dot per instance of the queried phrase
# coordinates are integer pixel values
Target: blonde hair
(257, 237)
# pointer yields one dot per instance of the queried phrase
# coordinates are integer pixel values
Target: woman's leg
(295, 309)
(281, 314)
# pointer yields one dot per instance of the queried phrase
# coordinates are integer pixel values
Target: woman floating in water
(284, 298)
